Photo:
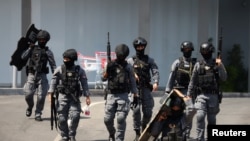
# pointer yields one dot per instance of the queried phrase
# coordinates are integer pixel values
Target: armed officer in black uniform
(121, 81)
(204, 86)
(179, 77)
(146, 71)
(37, 70)
(70, 81)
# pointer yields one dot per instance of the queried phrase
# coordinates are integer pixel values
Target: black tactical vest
(142, 69)
(207, 77)
(118, 78)
(38, 60)
(184, 72)
(70, 80)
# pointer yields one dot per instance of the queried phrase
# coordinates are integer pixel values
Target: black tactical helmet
(139, 41)
(71, 54)
(187, 45)
(122, 51)
(176, 101)
(44, 35)
(206, 48)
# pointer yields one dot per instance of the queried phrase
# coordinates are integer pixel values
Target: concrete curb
(100, 92)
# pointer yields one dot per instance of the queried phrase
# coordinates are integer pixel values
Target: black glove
(135, 102)
(110, 65)
(31, 45)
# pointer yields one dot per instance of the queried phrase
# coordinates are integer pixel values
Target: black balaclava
(207, 56)
(139, 42)
(43, 37)
(120, 59)
(69, 64)
(72, 55)
(140, 53)
(187, 54)
(42, 43)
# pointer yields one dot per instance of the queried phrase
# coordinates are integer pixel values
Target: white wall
(83, 25)
(10, 29)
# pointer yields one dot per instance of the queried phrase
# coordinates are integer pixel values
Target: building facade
(84, 24)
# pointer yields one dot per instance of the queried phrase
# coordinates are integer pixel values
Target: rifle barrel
(220, 44)
(108, 50)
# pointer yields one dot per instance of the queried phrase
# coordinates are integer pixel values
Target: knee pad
(61, 118)
(121, 118)
(200, 116)
(107, 120)
(74, 117)
(62, 122)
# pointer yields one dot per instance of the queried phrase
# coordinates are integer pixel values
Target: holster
(220, 96)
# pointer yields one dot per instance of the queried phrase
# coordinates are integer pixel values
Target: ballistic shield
(22, 45)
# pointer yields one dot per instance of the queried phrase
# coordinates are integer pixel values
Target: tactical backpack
(118, 78)
(207, 80)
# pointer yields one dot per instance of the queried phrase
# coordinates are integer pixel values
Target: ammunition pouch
(220, 96)
(68, 91)
(198, 91)
(105, 93)
(34, 70)
(208, 91)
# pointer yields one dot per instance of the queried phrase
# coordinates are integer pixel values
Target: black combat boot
(137, 135)
(72, 138)
(112, 137)
(38, 118)
(28, 112)
(64, 139)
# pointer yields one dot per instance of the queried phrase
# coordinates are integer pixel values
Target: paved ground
(15, 126)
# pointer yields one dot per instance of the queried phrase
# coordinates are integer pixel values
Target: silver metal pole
(14, 76)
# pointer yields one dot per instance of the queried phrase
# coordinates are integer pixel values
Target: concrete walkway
(100, 92)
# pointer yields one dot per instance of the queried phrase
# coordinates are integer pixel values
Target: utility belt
(30, 70)
(209, 91)
(117, 91)
(67, 91)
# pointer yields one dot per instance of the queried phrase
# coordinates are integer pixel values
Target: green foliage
(237, 80)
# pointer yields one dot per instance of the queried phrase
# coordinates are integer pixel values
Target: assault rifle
(220, 95)
(220, 45)
(53, 111)
(108, 51)
(108, 61)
